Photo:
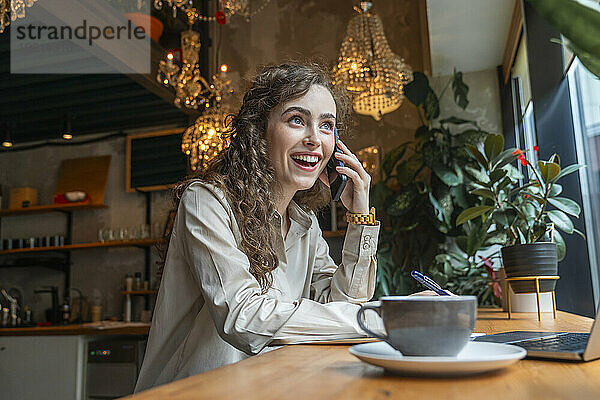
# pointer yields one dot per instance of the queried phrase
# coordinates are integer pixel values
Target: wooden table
(115, 328)
(330, 372)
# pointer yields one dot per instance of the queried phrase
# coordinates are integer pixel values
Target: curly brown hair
(244, 172)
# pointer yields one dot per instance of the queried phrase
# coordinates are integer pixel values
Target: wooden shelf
(114, 243)
(330, 234)
(139, 292)
(49, 208)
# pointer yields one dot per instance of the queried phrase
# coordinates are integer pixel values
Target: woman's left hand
(355, 196)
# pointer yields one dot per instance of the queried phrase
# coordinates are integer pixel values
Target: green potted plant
(424, 187)
(524, 216)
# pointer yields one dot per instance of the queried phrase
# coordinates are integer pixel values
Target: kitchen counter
(89, 328)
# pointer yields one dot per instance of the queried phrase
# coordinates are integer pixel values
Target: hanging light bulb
(66, 131)
(7, 142)
(367, 68)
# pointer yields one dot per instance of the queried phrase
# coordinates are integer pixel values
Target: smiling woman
(246, 261)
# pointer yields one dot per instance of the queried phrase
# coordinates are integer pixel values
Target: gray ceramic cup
(425, 325)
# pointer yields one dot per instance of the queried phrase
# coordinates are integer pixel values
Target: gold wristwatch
(361, 219)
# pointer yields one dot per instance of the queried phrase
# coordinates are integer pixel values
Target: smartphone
(337, 181)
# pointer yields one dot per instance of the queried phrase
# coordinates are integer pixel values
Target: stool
(537, 292)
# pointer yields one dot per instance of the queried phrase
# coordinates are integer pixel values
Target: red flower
(494, 284)
(517, 151)
(526, 196)
(536, 148)
(521, 156)
(523, 162)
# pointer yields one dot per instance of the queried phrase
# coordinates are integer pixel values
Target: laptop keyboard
(570, 342)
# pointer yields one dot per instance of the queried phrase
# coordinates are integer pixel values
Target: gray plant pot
(532, 259)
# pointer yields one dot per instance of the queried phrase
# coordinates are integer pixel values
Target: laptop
(553, 345)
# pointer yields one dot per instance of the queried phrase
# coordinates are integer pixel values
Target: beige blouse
(210, 311)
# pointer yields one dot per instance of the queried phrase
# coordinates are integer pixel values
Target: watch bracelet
(360, 218)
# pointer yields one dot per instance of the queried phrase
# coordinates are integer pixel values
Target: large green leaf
(504, 217)
(561, 247)
(549, 170)
(478, 156)
(475, 241)
(529, 210)
(568, 170)
(486, 193)
(589, 61)
(456, 121)
(496, 175)
(461, 242)
(555, 190)
(522, 239)
(471, 213)
(579, 23)
(561, 220)
(566, 205)
(504, 158)
(441, 213)
(416, 91)
(496, 238)
(460, 196)
(470, 136)
(401, 204)
(504, 182)
(447, 176)
(432, 105)
(494, 144)
(460, 89)
(392, 158)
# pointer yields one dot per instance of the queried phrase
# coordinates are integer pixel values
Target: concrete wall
(484, 99)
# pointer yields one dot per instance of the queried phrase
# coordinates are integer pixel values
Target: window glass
(521, 69)
(525, 134)
(585, 104)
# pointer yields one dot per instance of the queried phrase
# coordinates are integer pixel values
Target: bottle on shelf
(128, 283)
(127, 311)
(65, 312)
(138, 281)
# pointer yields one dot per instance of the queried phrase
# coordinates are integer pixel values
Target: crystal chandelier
(17, 10)
(230, 7)
(183, 5)
(205, 139)
(373, 75)
(191, 89)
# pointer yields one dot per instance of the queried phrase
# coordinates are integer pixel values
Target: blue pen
(429, 283)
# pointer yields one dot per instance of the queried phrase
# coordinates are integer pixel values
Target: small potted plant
(526, 215)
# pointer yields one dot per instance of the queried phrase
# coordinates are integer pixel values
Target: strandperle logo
(82, 37)
(84, 31)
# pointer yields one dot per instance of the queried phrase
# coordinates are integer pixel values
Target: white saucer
(475, 358)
